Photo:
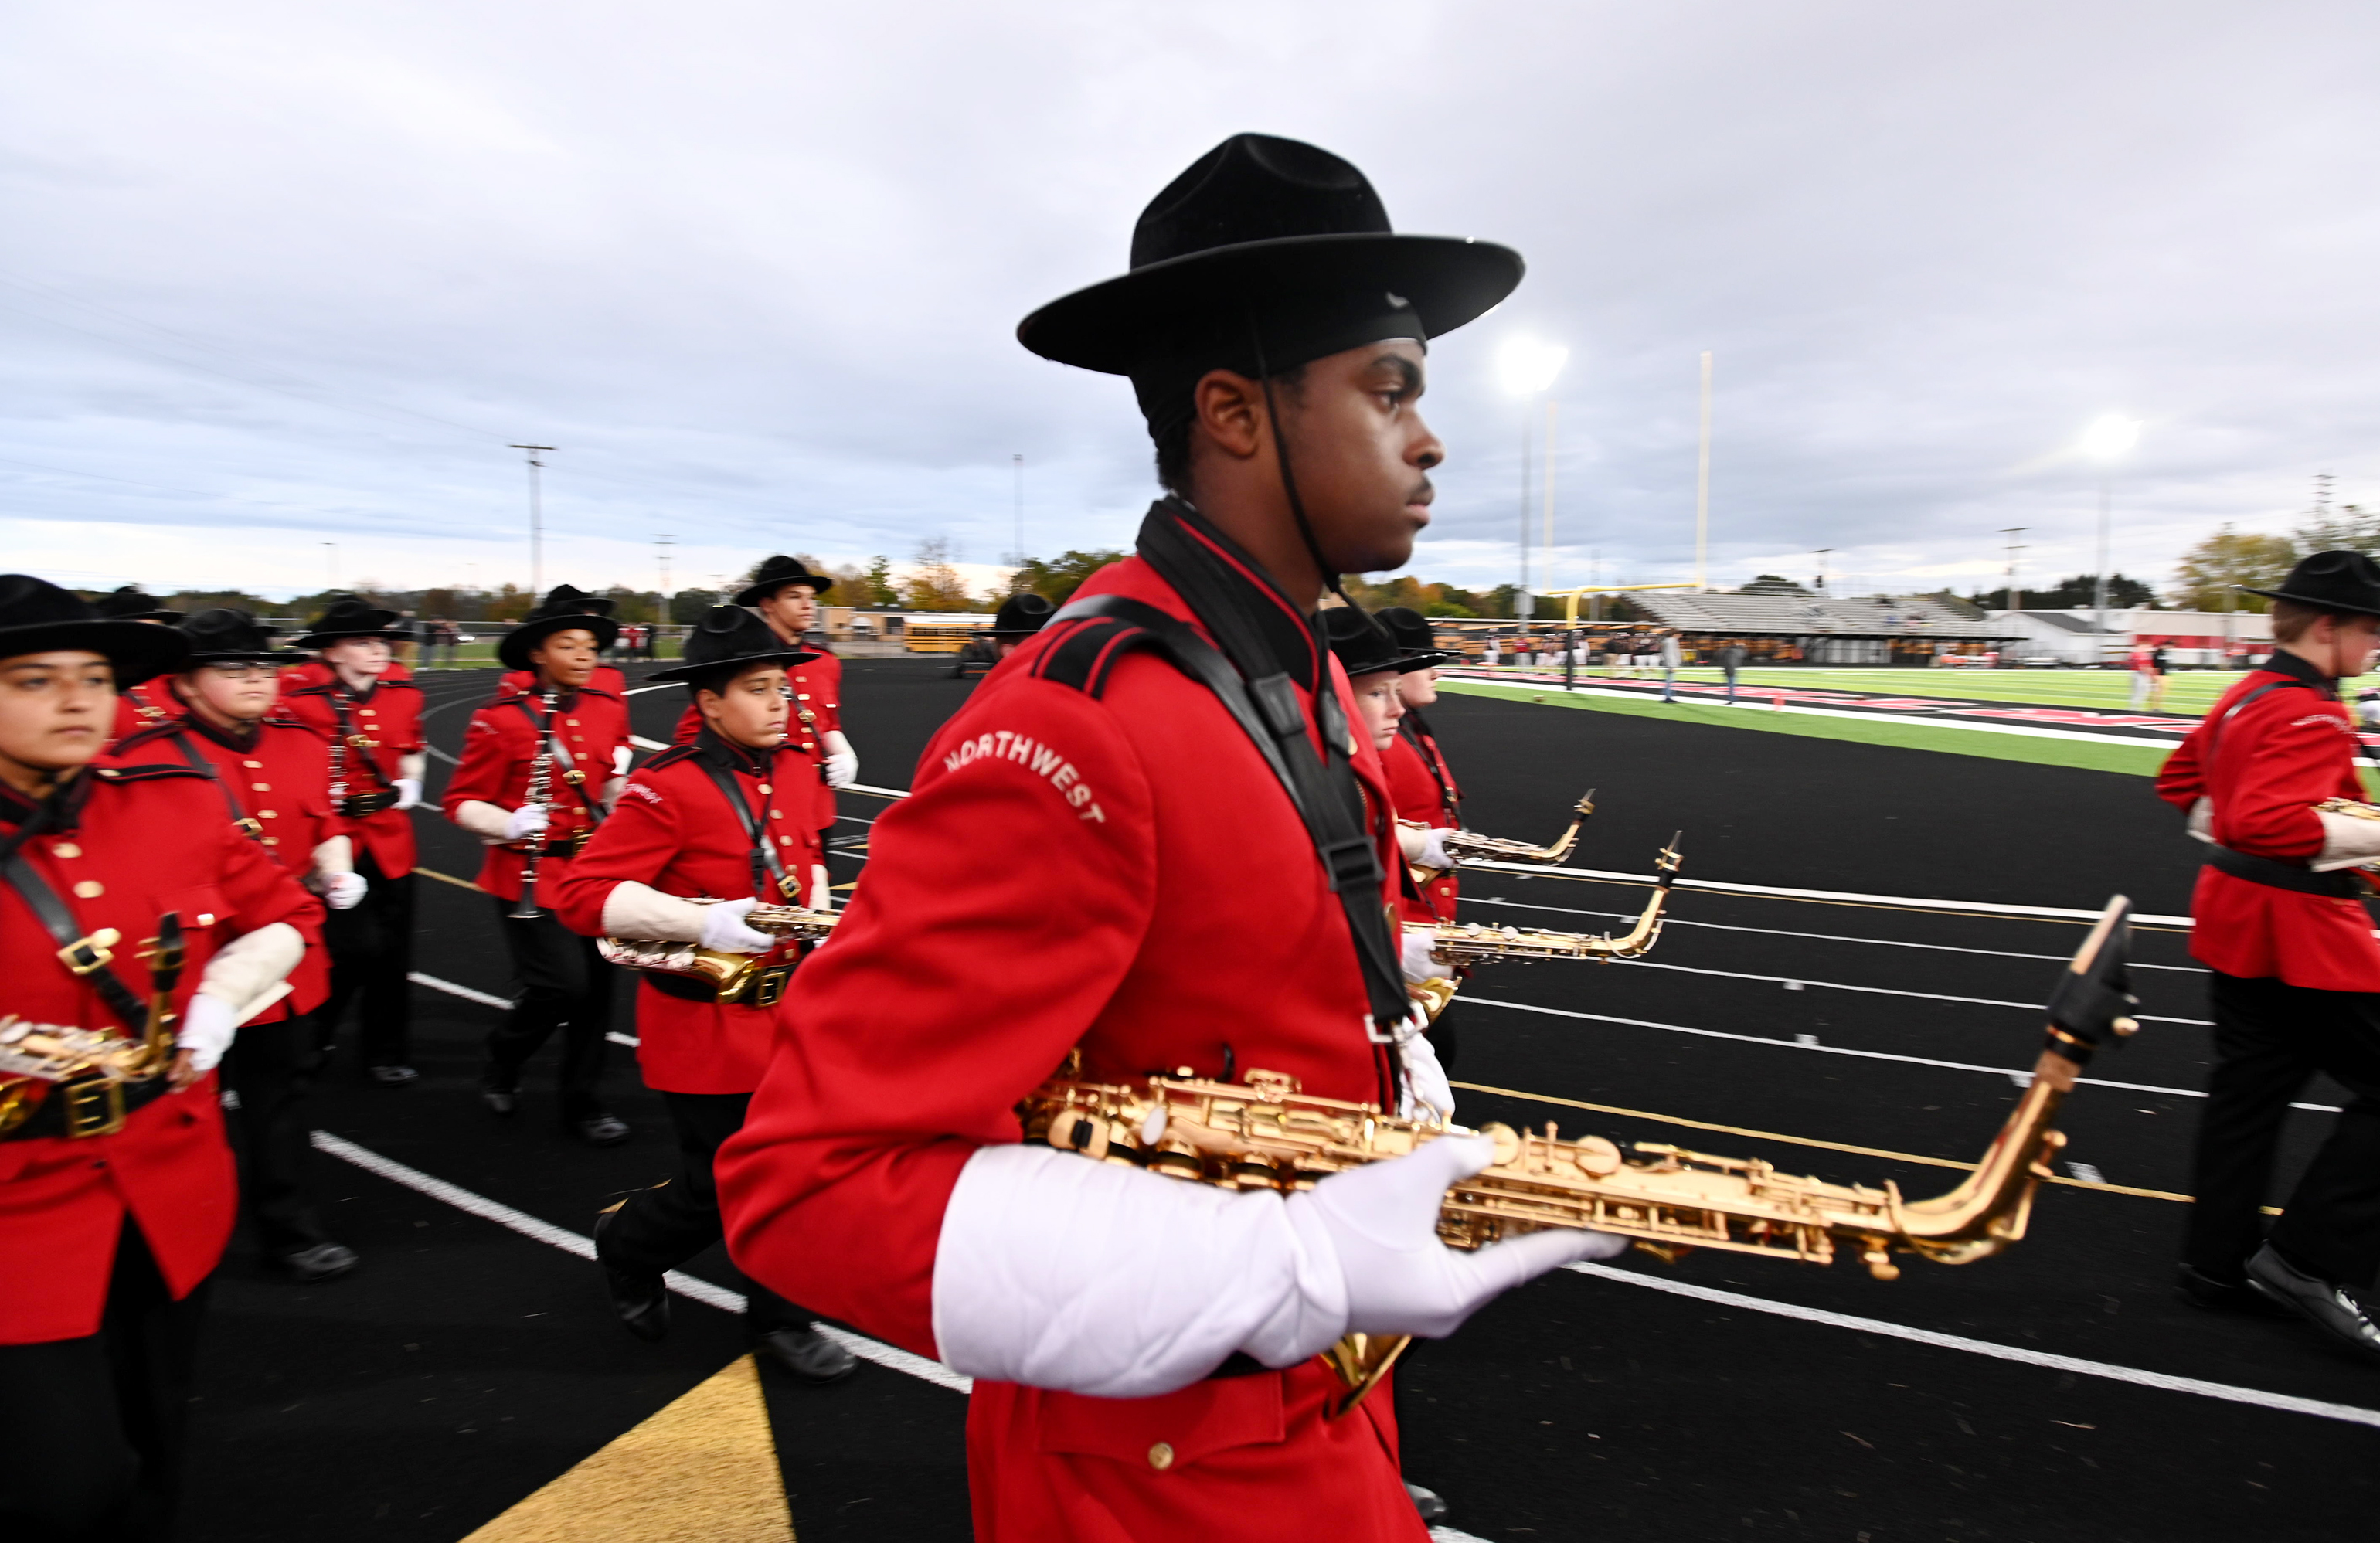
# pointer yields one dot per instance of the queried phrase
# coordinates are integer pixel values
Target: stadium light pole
(1528, 369)
(536, 522)
(2105, 441)
(2014, 596)
(1702, 488)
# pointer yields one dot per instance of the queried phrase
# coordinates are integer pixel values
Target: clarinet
(541, 791)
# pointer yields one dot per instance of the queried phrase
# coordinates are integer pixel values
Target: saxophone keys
(1879, 1263)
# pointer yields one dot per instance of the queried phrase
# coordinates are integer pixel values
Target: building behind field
(2212, 640)
(1814, 629)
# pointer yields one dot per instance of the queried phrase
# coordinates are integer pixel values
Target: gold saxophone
(1267, 1134)
(1471, 846)
(734, 976)
(87, 1068)
(1462, 944)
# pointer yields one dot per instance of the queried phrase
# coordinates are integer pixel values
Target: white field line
(485, 999)
(1975, 907)
(2163, 1381)
(1809, 1043)
(896, 1359)
(569, 1242)
(1797, 982)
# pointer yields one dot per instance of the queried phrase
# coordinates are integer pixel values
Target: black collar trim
(1286, 630)
(734, 757)
(62, 810)
(2304, 672)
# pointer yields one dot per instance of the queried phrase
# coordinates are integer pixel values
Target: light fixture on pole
(536, 522)
(2011, 594)
(1821, 555)
(2105, 441)
(662, 604)
(1528, 369)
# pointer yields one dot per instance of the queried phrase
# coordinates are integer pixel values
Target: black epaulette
(148, 772)
(1083, 658)
(143, 736)
(670, 756)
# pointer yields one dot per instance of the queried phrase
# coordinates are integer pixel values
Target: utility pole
(2014, 596)
(661, 609)
(1019, 461)
(1821, 555)
(536, 522)
(1523, 606)
(1549, 493)
(1702, 488)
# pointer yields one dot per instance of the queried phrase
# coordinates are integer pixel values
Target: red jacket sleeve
(2181, 782)
(485, 770)
(1005, 899)
(636, 843)
(2296, 749)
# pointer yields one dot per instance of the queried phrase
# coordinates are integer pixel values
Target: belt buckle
(578, 841)
(768, 986)
(94, 1107)
(94, 952)
(251, 825)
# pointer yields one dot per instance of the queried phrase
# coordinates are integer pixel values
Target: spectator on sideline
(1731, 660)
(2143, 673)
(2159, 663)
(1670, 659)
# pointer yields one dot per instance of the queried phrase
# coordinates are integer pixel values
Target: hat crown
(226, 629)
(1023, 612)
(727, 633)
(569, 600)
(2344, 580)
(1257, 187)
(1408, 627)
(29, 601)
(127, 600)
(1361, 644)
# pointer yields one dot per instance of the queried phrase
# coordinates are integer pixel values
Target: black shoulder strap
(1267, 713)
(1416, 729)
(348, 738)
(766, 865)
(2215, 734)
(545, 730)
(242, 821)
(76, 951)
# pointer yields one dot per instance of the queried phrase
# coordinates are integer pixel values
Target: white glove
(841, 760)
(2202, 821)
(1382, 1223)
(529, 820)
(206, 1031)
(620, 755)
(341, 892)
(409, 793)
(1425, 1078)
(1425, 848)
(723, 929)
(1419, 962)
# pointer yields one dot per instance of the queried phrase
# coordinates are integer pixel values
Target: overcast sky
(279, 276)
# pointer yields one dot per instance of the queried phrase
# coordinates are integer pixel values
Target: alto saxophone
(1459, 945)
(89, 1067)
(1470, 846)
(734, 976)
(1266, 1135)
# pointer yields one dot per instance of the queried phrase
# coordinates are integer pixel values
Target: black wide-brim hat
(1268, 253)
(2331, 581)
(226, 635)
(1413, 634)
(1021, 616)
(731, 636)
(348, 617)
(513, 649)
(777, 572)
(36, 616)
(1364, 645)
(129, 604)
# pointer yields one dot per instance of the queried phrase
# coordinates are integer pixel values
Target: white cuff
(2346, 840)
(622, 756)
(634, 910)
(1425, 1078)
(335, 855)
(1055, 1270)
(490, 822)
(2202, 821)
(244, 971)
(414, 767)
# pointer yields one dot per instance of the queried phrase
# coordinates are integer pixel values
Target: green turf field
(2187, 692)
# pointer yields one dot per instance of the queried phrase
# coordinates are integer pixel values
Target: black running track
(465, 1365)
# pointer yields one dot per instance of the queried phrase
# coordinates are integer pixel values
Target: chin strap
(1289, 479)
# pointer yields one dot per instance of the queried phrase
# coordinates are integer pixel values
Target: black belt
(87, 1106)
(361, 806)
(2339, 885)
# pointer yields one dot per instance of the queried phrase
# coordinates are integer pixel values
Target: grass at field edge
(2134, 761)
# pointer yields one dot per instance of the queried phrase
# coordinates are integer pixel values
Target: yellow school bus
(942, 637)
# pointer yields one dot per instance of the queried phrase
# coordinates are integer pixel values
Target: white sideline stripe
(1980, 908)
(569, 1242)
(485, 999)
(1784, 933)
(1880, 990)
(641, 742)
(2164, 1381)
(2023, 1076)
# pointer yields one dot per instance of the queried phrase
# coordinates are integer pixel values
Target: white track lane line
(1811, 1047)
(569, 1242)
(1878, 990)
(2287, 1402)
(485, 999)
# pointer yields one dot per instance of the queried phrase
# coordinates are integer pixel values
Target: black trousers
(371, 955)
(272, 1067)
(93, 1427)
(2270, 1038)
(661, 1228)
(565, 984)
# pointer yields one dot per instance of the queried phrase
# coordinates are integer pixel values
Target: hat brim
(135, 650)
(753, 594)
(339, 635)
(1447, 280)
(786, 657)
(2336, 606)
(239, 656)
(513, 652)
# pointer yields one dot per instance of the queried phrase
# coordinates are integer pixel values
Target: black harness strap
(552, 737)
(1416, 729)
(2269, 871)
(766, 865)
(244, 822)
(76, 951)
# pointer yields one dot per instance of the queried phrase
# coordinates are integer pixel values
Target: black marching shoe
(2329, 1307)
(499, 1092)
(2201, 1289)
(1427, 1501)
(804, 1354)
(315, 1262)
(601, 1129)
(394, 1076)
(640, 1299)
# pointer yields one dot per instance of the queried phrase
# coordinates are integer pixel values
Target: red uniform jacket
(129, 845)
(389, 715)
(497, 749)
(2270, 764)
(143, 706)
(280, 781)
(674, 832)
(817, 710)
(1120, 872)
(1423, 786)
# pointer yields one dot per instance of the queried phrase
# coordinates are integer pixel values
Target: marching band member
(274, 787)
(2295, 969)
(1071, 873)
(114, 1204)
(541, 766)
(372, 722)
(1419, 779)
(1019, 617)
(568, 600)
(706, 820)
(145, 702)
